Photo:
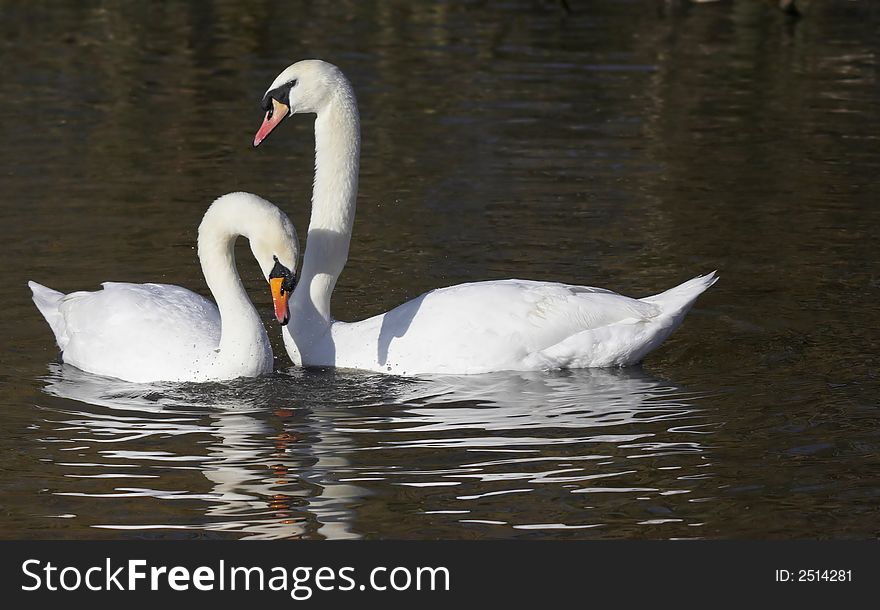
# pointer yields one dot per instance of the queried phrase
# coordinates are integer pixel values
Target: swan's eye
(280, 271)
(280, 94)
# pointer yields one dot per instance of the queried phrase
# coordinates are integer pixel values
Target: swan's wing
(481, 326)
(138, 327)
(535, 315)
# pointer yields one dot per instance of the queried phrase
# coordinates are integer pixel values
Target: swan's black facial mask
(280, 271)
(275, 103)
(280, 94)
(281, 282)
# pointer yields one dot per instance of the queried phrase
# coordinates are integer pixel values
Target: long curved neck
(241, 328)
(337, 156)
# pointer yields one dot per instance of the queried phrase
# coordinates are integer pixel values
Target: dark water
(630, 144)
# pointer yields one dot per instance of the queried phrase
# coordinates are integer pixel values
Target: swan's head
(271, 236)
(304, 87)
(276, 249)
(282, 281)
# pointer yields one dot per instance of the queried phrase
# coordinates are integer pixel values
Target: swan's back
(138, 332)
(512, 325)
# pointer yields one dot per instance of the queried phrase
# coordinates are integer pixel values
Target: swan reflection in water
(336, 454)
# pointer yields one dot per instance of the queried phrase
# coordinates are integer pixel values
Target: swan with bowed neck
(158, 332)
(470, 328)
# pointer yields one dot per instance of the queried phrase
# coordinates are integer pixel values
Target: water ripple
(289, 455)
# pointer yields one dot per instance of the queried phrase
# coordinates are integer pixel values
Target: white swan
(470, 328)
(157, 332)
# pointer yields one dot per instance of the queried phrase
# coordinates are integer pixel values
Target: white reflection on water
(343, 455)
(239, 453)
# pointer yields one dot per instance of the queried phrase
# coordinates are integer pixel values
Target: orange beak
(279, 299)
(272, 120)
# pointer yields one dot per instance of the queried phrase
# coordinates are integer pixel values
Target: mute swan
(157, 332)
(470, 328)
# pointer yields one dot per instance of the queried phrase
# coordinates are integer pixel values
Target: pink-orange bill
(272, 120)
(279, 299)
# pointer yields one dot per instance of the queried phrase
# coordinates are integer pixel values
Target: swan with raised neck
(470, 328)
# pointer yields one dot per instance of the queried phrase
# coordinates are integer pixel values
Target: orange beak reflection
(272, 120)
(279, 299)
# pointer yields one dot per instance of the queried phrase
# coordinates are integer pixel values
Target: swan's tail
(48, 301)
(676, 302)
